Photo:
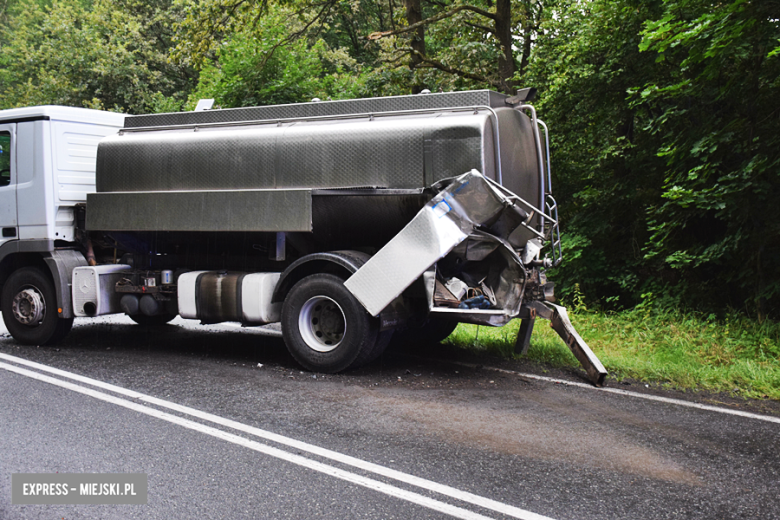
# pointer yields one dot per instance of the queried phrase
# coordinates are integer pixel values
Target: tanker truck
(349, 222)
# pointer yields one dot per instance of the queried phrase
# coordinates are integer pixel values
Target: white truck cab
(47, 167)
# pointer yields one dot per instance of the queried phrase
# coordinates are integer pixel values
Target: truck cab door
(8, 217)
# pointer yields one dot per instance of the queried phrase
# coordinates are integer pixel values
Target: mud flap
(559, 319)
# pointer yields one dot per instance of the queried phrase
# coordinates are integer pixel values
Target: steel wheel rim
(29, 306)
(322, 323)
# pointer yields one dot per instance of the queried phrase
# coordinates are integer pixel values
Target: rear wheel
(325, 328)
(383, 340)
(435, 330)
(29, 304)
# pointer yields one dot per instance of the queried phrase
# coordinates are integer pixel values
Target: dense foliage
(667, 145)
(664, 113)
(108, 54)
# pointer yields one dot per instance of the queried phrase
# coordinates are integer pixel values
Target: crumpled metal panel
(493, 258)
(404, 152)
(248, 210)
(323, 108)
(444, 222)
(559, 320)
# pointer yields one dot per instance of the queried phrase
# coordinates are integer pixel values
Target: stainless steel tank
(333, 169)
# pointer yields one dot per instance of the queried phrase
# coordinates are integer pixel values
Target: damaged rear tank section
(384, 214)
(475, 224)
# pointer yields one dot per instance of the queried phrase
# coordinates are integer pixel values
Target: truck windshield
(5, 158)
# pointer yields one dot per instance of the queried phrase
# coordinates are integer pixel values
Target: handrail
(248, 122)
(545, 187)
(534, 209)
(547, 146)
(539, 153)
(555, 235)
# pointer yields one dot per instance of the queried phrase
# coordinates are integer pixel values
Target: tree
(664, 120)
(606, 172)
(111, 55)
(715, 110)
(486, 32)
(252, 68)
(447, 45)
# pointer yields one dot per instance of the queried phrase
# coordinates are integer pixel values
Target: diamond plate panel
(457, 147)
(397, 265)
(322, 108)
(385, 153)
(249, 210)
(186, 160)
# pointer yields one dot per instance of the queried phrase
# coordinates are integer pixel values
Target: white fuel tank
(213, 297)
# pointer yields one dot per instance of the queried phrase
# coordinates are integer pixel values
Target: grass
(681, 350)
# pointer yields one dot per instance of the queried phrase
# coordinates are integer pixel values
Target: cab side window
(5, 158)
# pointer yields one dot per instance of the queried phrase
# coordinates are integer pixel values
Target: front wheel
(29, 305)
(324, 327)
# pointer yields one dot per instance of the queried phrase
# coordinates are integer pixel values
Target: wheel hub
(29, 307)
(322, 323)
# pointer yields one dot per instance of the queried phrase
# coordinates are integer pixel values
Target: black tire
(368, 355)
(34, 320)
(324, 327)
(152, 321)
(435, 330)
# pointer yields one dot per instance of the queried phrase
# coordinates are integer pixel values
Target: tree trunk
(506, 61)
(527, 43)
(414, 15)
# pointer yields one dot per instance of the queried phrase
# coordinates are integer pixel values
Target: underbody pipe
(559, 319)
(90, 253)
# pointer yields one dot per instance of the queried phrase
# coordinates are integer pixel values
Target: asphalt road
(404, 438)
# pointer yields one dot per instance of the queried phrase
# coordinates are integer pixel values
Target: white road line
(429, 485)
(262, 331)
(262, 448)
(649, 397)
